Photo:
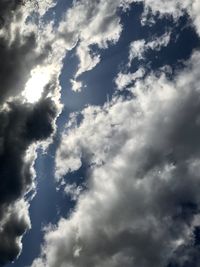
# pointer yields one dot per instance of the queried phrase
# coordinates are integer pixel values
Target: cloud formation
(141, 204)
(91, 23)
(21, 127)
(175, 9)
(29, 46)
(24, 125)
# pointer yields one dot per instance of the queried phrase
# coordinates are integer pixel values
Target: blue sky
(116, 159)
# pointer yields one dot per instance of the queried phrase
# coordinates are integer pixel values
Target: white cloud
(73, 191)
(175, 8)
(41, 7)
(140, 47)
(121, 141)
(145, 170)
(125, 79)
(137, 50)
(90, 23)
(88, 60)
(76, 85)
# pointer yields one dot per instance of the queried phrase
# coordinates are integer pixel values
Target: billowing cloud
(31, 60)
(21, 126)
(141, 204)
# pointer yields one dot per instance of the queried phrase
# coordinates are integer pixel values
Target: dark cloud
(186, 256)
(7, 8)
(15, 223)
(22, 124)
(20, 127)
(40, 121)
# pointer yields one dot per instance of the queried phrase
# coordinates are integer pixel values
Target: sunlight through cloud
(35, 85)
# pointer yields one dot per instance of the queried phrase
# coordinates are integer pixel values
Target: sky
(99, 137)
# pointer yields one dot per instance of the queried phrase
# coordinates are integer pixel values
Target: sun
(35, 85)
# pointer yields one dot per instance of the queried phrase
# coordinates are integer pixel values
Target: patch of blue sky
(183, 41)
(57, 12)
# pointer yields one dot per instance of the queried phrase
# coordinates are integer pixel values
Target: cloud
(20, 49)
(175, 9)
(140, 47)
(138, 50)
(41, 6)
(26, 49)
(88, 25)
(125, 79)
(73, 191)
(88, 60)
(134, 147)
(17, 60)
(91, 23)
(76, 85)
(24, 125)
(21, 127)
(142, 199)
(14, 224)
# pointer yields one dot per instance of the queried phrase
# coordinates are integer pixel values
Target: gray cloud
(17, 61)
(12, 227)
(21, 126)
(24, 126)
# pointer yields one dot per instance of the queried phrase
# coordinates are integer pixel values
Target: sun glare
(35, 85)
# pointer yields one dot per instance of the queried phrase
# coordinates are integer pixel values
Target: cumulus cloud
(142, 199)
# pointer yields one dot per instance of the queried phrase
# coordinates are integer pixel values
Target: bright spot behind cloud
(35, 85)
